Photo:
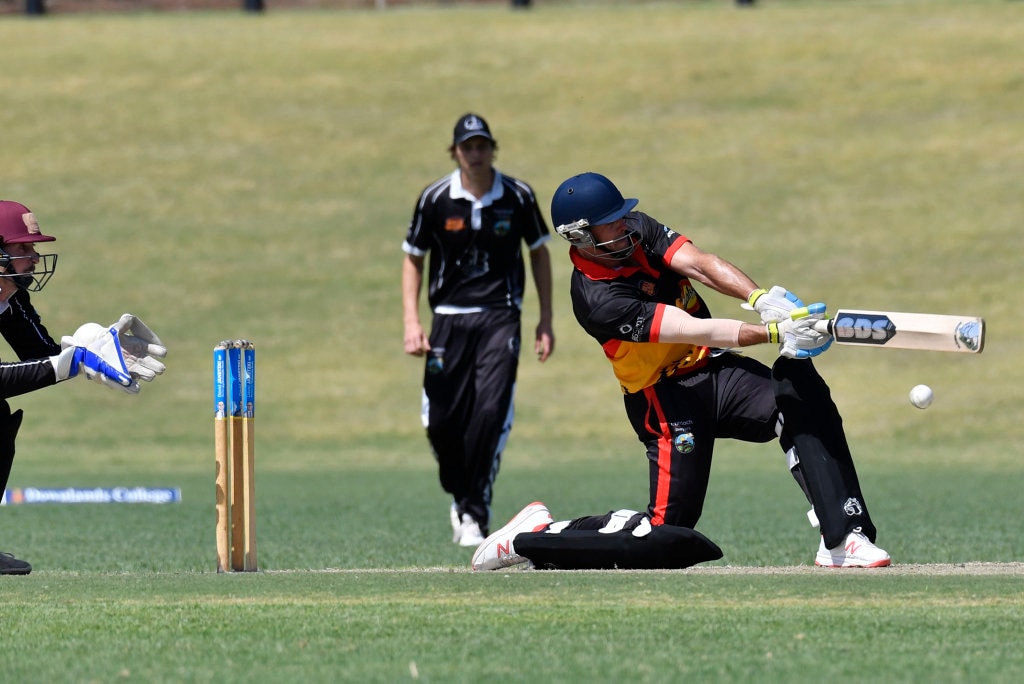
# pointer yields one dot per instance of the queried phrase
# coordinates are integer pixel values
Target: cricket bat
(896, 330)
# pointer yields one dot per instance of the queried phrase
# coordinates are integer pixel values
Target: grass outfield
(224, 175)
(517, 627)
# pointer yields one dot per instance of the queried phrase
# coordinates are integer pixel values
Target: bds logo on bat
(864, 328)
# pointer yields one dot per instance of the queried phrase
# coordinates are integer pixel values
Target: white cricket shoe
(465, 530)
(470, 534)
(497, 550)
(856, 551)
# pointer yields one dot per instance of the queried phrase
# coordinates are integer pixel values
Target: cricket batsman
(684, 387)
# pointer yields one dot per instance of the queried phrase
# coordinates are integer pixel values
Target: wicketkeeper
(683, 388)
(118, 355)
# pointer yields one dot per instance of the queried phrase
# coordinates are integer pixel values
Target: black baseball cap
(471, 126)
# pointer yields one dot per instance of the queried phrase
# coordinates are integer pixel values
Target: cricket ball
(921, 396)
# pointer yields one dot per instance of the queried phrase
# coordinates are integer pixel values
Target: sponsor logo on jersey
(455, 224)
(638, 328)
(647, 287)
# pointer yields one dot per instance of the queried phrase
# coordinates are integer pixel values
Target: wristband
(753, 296)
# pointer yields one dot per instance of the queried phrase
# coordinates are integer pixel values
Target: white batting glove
(773, 305)
(796, 336)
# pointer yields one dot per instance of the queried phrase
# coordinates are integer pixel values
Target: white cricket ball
(922, 396)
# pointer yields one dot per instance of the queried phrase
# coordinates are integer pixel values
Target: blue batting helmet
(590, 197)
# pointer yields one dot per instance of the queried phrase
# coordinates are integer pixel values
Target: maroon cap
(18, 224)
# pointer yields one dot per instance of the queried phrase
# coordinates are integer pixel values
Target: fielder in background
(473, 223)
(633, 291)
(118, 355)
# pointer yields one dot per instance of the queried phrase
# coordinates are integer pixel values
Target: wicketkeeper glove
(130, 341)
(773, 305)
(796, 335)
(68, 363)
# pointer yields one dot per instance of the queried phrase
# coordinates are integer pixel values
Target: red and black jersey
(621, 306)
(476, 259)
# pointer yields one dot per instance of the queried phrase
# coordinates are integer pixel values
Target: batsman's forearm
(713, 271)
(677, 326)
(728, 279)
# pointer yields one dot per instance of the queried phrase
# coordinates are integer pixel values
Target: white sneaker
(856, 551)
(497, 550)
(470, 534)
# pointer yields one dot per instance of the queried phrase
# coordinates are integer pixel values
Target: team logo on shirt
(502, 228)
(455, 224)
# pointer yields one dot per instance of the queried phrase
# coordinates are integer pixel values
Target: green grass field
(224, 175)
